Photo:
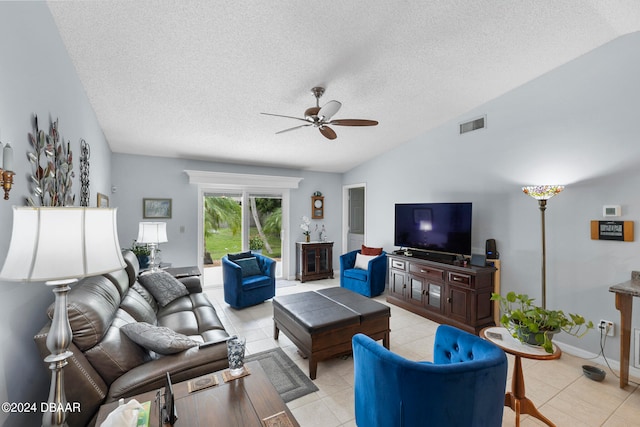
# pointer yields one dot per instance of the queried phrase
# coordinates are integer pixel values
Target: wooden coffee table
(516, 399)
(242, 402)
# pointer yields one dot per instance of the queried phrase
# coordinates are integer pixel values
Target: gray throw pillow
(249, 266)
(159, 339)
(163, 286)
(240, 255)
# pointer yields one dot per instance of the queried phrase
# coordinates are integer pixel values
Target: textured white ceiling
(188, 79)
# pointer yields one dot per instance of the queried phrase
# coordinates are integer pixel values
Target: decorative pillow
(163, 286)
(362, 261)
(241, 255)
(159, 339)
(370, 251)
(249, 266)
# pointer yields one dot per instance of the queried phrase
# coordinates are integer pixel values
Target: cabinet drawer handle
(449, 300)
(457, 279)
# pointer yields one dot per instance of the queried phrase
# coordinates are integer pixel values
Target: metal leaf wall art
(85, 154)
(52, 168)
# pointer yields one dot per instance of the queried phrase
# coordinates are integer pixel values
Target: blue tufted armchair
(248, 280)
(464, 386)
(369, 282)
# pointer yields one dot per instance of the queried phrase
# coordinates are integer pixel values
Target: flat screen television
(437, 227)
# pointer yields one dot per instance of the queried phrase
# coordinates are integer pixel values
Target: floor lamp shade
(62, 243)
(59, 246)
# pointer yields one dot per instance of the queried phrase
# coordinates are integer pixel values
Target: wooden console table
(516, 399)
(314, 260)
(624, 303)
(242, 402)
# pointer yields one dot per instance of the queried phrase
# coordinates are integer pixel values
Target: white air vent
(479, 123)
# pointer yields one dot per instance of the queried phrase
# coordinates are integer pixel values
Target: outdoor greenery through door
(223, 222)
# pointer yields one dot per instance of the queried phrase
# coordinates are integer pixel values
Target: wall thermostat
(611, 210)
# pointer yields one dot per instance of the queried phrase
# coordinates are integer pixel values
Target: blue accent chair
(246, 289)
(464, 386)
(369, 283)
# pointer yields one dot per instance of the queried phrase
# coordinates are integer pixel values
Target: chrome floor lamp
(542, 193)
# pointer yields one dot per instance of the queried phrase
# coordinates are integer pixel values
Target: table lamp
(152, 233)
(58, 246)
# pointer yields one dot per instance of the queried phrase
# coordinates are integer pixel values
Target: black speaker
(490, 249)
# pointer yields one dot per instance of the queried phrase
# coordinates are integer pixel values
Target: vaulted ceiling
(189, 79)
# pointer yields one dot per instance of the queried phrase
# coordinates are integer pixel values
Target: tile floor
(557, 387)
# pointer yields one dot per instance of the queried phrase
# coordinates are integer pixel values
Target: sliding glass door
(235, 222)
(222, 226)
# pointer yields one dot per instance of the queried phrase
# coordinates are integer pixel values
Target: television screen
(439, 227)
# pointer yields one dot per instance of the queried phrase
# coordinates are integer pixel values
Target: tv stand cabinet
(443, 292)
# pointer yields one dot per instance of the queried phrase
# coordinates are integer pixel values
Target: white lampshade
(59, 243)
(152, 232)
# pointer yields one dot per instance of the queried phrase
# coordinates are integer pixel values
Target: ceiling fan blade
(288, 117)
(327, 132)
(310, 112)
(329, 109)
(293, 128)
(353, 122)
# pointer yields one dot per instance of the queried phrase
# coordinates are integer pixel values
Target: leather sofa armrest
(192, 283)
(183, 366)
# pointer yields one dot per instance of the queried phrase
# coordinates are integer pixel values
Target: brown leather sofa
(106, 365)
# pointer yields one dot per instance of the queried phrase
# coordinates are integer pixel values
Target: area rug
(289, 380)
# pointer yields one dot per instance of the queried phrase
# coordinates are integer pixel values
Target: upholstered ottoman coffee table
(321, 323)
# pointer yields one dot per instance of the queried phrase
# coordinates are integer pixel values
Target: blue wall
(36, 77)
(576, 126)
(138, 177)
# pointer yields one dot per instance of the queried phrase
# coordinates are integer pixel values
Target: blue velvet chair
(370, 282)
(464, 386)
(246, 284)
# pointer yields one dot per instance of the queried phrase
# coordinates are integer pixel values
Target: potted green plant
(535, 325)
(256, 244)
(142, 252)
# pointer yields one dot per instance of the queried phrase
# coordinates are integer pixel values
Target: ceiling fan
(321, 117)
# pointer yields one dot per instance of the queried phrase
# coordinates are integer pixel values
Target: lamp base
(153, 267)
(58, 341)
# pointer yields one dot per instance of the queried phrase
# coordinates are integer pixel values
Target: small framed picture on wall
(103, 201)
(156, 208)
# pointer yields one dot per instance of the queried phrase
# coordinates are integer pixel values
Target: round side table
(516, 399)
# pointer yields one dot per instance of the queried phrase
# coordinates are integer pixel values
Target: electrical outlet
(607, 326)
